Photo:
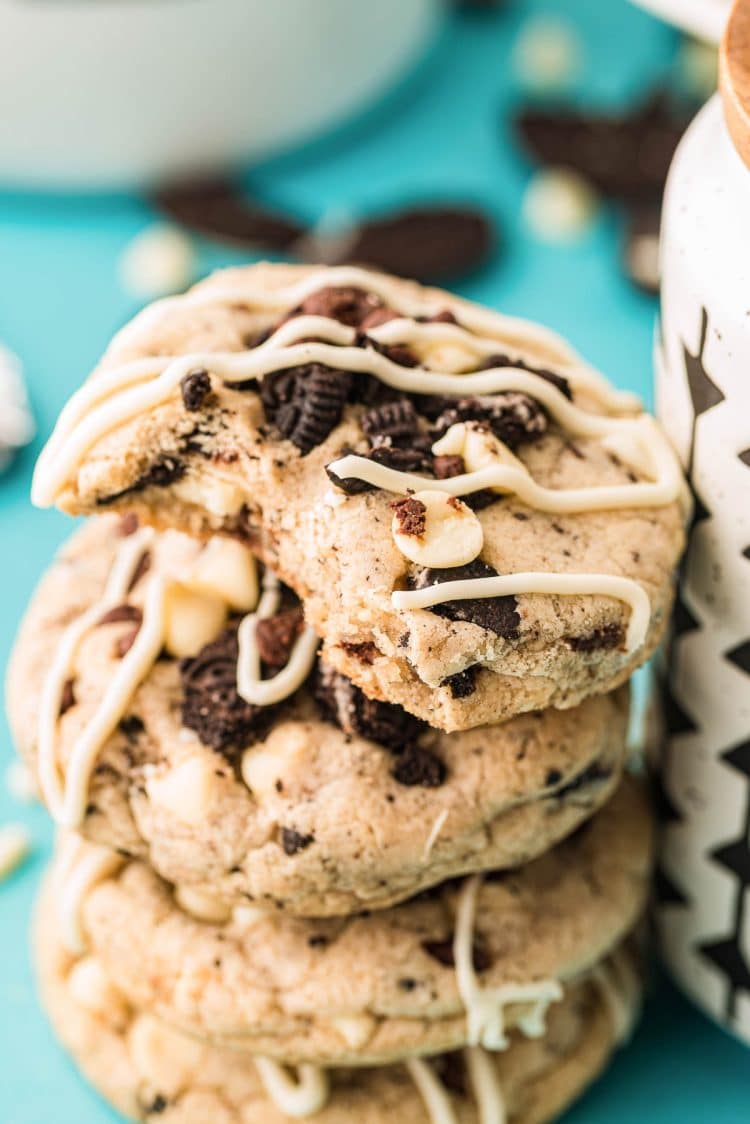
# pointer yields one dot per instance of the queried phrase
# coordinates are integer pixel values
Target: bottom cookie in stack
(483, 1000)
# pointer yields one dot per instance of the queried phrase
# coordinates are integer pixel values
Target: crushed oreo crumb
(343, 703)
(365, 651)
(124, 643)
(348, 304)
(411, 516)
(160, 474)
(445, 467)
(293, 841)
(143, 567)
(601, 639)
(128, 524)
(122, 613)
(132, 726)
(305, 403)
(157, 1105)
(275, 637)
(210, 705)
(418, 766)
(496, 614)
(554, 377)
(393, 419)
(195, 387)
(462, 684)
(514, 418)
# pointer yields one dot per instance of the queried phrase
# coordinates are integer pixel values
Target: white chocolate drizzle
(485, 1007)
(485, 1084)
(66, 798)
(66, 791)
(250, 686)
(118, 395)
(431, 1090)
(302, 1095)
(564, 585)
(79, 867)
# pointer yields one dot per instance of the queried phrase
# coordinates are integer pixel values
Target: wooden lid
(734, 77)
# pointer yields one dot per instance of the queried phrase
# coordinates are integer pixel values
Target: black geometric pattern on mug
(727, 953)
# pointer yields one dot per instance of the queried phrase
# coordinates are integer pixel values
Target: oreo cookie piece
(210, 703)
(501, 360)
(346, 303)
(347, 706)
(275, 637)
(305, 403)
(626, 156)
(219, 208)
(496, 614)
(514, 418)
(419, 766)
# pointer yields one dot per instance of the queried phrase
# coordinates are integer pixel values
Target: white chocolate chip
(478, 447)
(21, 782)
(191, 619)
(356, 1030)
(452, 357)
(260, 770)
(91, 988)
(559, 205)
(15, 844)
(203, 906)
(160, 260)
(218, 497)
(186, 791)
(245, 916)
(452, 534)
(227, 569)
(547, 54)
(163, 1058)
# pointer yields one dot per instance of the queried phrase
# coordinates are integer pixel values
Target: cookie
(466, 961)
(448, 490)
(151, 1072)
(321, 803)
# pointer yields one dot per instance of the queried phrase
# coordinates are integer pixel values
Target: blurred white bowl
(703, 18)
(112, 93)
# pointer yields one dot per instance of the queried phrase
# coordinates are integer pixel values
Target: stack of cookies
(329, 703)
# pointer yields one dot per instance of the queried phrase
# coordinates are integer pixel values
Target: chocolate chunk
(496, 614)
(122, 613)
(219, 208)
(275, 637)
(210, 704)
(411, 516)
(593, 774)
(418, 766)
(347, 706)
(626, 156)
(305, 403)
(514, 418)
(394, 420)
(442, 951)
(366, 652)
(462, 684)
(293, 841)
(426, 243)
(601, 639)
(446, 466)
(195, 387)
(67, 697)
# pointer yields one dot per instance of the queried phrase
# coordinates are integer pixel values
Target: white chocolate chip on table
(15, 844)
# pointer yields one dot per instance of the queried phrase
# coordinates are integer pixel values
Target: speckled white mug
(703, 400)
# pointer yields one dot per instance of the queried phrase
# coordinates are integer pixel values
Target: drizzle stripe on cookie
(486, 1086)
(431, 1090)
(250, 686)
(301, 1096)
(485, 1006)
(563, 585)
(79, 867)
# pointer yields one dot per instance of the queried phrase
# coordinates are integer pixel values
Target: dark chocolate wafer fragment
(514, 418)
(496, 614)
(347, 706)
(305, 403)
(211, 705)
(220, 208)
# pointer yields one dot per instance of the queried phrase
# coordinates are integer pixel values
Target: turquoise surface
(439, 135)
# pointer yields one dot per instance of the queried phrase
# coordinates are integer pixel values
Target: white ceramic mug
(113, 93)
(703, 400)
